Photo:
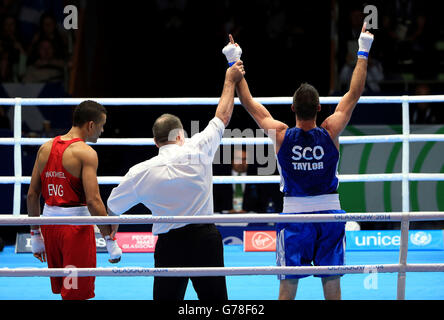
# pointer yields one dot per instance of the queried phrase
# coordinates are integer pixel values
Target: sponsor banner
(128, 242)
(100, 243)
(372, 240)
(391, 240)
(136, 241)
(232, 235)
(259, 240)
(265, 240)
(23, 243)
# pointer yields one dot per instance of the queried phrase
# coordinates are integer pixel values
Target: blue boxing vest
(308, 163)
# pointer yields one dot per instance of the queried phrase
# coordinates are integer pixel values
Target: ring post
(405, 199)
(17, 156)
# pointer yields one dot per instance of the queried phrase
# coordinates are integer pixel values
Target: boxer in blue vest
(308, 158)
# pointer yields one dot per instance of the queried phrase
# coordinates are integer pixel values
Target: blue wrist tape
(363, 53)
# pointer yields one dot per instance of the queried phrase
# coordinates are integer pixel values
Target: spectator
(239, 167)
(4, 120)
(47, 67)
(407, 38)
(48, 131)
(13, 54)
(242, 198)
(423, 112)
(347, 58)
(48, 30)
(276, 21)
(9, 8)
(348, 33)
(375, 75)
(5, 66)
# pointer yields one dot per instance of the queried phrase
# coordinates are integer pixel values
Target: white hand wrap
(232, 53)
(37, 243)
(113, 249)
(365, 43)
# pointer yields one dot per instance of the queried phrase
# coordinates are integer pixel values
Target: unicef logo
(232, 240)
(421, 238)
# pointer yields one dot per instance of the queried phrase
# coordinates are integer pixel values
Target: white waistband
(310, 204)
(54, 211)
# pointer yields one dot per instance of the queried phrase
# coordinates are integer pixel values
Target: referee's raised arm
(226, 103)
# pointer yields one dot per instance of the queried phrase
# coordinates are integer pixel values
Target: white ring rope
(235, 141)
(209, 101)
(223, 218)
(214, 271)
(374, 177)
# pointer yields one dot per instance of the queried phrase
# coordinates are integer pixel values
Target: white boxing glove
(232, 52)
(365, 43)
(37, 243)
(113, 248)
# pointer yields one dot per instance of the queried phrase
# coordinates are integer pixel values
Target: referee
(179, 182)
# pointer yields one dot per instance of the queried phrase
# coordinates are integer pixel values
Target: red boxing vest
(59, 187)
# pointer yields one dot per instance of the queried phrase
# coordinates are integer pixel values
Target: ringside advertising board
(372, 240)
(128, 242)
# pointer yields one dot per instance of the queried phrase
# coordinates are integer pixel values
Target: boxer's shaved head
(88, 111)
(306, 102)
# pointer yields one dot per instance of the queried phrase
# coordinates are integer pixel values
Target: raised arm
(226, 103)
(273, 128)
(337, 122)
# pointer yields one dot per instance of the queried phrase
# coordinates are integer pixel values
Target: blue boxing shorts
(307, 244)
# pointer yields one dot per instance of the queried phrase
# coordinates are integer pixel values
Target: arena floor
(419, 286)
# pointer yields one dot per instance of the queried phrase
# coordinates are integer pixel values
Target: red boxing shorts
(70, 246)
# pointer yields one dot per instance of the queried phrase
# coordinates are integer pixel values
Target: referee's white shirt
(177, 182)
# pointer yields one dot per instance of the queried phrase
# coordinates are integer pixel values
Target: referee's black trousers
(194, 245)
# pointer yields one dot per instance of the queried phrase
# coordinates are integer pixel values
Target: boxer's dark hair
(165, 127)
(306, 102)
(87, 111)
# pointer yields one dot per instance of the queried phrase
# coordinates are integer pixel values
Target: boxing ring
(405, 176)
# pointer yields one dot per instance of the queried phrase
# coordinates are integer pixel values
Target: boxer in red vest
(65, 174)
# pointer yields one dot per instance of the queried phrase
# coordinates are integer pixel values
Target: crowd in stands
(407, 57)
(33, 45)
